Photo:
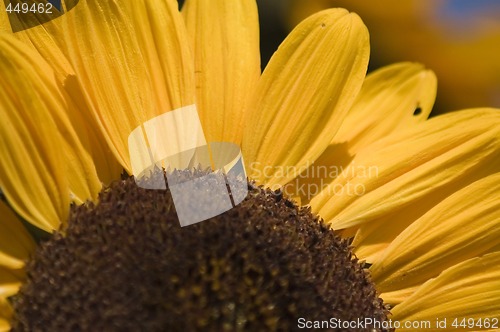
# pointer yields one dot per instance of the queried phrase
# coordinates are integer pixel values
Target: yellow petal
(167, 59)
(410, 166)
(16, 244)
(225, 40)
(132, 61)
(304, 92)
(5, 315)
(463, 226)
(392, 98)
(10, 281)
(39, 38)
(33, 176)
(398, 296)
(4, 19)
(386, 103)
(46, 41)
(92, 138)
(467, 290)
(374, 237)
(82, 177)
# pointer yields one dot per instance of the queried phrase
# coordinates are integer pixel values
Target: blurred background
(458, 39)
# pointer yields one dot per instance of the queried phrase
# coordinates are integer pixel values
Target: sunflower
(416, 197)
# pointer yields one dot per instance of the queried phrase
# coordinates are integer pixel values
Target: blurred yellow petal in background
(458, 39)
(5, 314)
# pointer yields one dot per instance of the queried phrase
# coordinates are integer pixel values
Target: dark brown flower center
(125, 264)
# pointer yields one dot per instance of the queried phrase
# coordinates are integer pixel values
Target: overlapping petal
(16, 244)
(127, 72)
(411, 166)
(83, 180)
(304, 92)
(29, 77)
(46, 41)
(392, 98)
(373, 238)
(225, 42)
(463, 226)
(470, 289)
(33, 174)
